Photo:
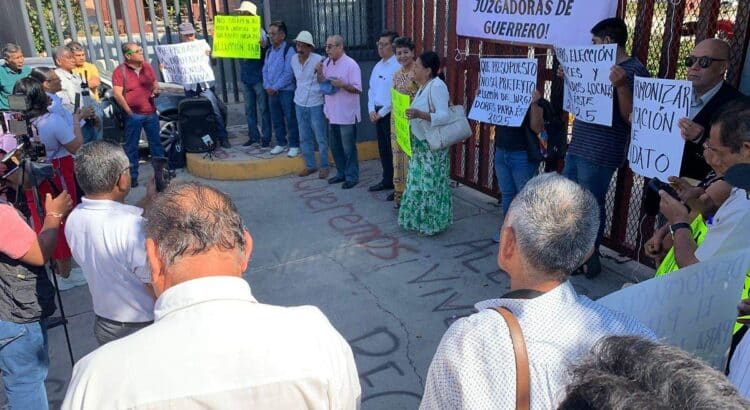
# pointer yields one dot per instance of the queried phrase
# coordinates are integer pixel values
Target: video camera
(19, 124)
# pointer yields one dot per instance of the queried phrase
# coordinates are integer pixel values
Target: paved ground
(390, 293)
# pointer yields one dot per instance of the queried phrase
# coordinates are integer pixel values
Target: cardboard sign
(547, 22)
(186, 63)
(693, 308)
(237, 37)
(588, 90)
(656, 146)
(400, 104)
(505, 87)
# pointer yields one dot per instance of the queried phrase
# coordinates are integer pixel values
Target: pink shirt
(13, 226)
(342, 108)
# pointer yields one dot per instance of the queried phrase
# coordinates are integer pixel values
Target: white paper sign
(186, 63)
(546, 22)
(656, 145)
(693, 308)
(505, 87)
(588, 90)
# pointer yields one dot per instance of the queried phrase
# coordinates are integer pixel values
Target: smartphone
(657, 185)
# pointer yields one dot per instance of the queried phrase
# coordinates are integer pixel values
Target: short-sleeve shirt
(8, 79)
(728, 228)
(54, 132)
(307, 93)
(87, 71)
(138, 87)
(13, 226)
(602, 145)
(342, 108)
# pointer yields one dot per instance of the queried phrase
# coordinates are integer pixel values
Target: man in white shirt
(212, 345)
(379, 105)
(549, 231)
(71, 89)
(106, 238)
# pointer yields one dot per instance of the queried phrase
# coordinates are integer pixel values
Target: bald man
(706, 65)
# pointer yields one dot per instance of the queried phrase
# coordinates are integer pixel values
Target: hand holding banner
(237, 37)
(505, 87)
(186, 63)
(656, 146)
(400, 103)
(588, 90)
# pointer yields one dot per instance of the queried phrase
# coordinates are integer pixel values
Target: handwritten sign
(693, 308)
(505, 87)
(401, 103)
(186, 63)
(546, 22)
(237, 37)
(656, 145)
(588, 90)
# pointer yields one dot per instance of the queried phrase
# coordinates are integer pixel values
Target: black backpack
(557, 136)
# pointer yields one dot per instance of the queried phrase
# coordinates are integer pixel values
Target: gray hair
(60, 52)
(98, 166)
(126, 46)
(629, 372)
(10, 48)
(733, 118)
(555, 222)
(338, 39)
(191, 218)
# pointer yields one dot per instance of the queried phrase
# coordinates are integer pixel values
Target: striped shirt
(602, 145)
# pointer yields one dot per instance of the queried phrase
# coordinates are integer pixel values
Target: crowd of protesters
(165, 275)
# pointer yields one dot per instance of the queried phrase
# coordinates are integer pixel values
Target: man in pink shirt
(341, 74)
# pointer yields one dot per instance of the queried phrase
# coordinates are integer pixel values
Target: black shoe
(225, 144)
(133, 183)
(348, 184)
(336, 180)
(249, 143)
(379, 187)
(265, 144)
(390, 197)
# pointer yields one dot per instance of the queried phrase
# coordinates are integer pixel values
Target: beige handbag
(443, 136)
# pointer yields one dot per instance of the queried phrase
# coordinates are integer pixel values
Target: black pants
(383, 127)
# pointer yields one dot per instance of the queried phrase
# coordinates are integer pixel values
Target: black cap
(739, 176)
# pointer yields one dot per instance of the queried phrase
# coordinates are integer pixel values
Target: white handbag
(443, 136)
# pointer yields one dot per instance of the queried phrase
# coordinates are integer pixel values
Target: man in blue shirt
(10, 72)
(278, 81)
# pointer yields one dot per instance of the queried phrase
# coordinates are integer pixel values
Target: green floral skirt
(427, 203)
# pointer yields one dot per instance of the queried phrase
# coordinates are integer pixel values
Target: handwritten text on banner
(401, 103)
(505, 87)
(656, 146)
(186, 63)
(588, 90)
(547, 22)
(237, 37)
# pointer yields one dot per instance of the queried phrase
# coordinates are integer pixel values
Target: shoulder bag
(118, 113)
(523, 379)
(443, 136)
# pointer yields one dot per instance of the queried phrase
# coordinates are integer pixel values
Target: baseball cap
(186, 28)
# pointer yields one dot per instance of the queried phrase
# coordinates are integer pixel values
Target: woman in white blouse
(427, 203)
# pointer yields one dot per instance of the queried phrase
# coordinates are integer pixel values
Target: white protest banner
(505, 87)
(655, 143)
(693, 308)
(548, 22)
(186, 63)
(588, 90)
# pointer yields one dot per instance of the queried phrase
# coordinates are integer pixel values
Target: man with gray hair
(106, 238)
(549, 231)
(11, 71)
(212, 343)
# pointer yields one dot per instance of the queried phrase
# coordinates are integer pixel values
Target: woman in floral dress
(427, 203)
(403, 82)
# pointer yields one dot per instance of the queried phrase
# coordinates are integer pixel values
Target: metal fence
(662, 34)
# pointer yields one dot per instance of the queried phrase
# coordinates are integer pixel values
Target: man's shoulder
(727, 92)
(634, 67)
(609, 321)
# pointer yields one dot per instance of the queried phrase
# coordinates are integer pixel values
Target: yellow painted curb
(261, 168)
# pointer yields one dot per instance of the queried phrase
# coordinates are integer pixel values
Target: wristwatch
(675, 227)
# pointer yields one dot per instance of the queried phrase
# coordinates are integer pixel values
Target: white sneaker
(75, 279)
(278, 150)
(293, 152)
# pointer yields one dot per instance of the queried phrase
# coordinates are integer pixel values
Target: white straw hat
(249, 7)
(305, 37)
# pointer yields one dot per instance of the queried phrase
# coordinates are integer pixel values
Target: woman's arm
(439, 99)
(75, 143)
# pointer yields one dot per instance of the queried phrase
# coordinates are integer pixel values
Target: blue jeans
(594, 178)
(24, 361)
(513, 170)
(312, 127)
(256, 103)
(283, 118)
(133, 125)
(343, 145)
(221, 128)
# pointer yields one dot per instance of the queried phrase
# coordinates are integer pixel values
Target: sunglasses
(131, 52)
(703, 62)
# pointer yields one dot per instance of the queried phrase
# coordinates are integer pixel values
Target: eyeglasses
(703, 62)
(330, 46)
(131, 52)
(383, 45)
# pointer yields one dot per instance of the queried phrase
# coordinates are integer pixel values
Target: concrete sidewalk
(390, 293)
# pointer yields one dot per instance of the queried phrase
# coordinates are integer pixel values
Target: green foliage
(47, 11)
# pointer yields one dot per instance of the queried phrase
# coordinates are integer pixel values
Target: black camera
(657, 185)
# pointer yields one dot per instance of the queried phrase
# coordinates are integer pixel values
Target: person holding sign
(596, 151)
(706, 65)
(403, 82)
(278, 81)
(205, 89)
